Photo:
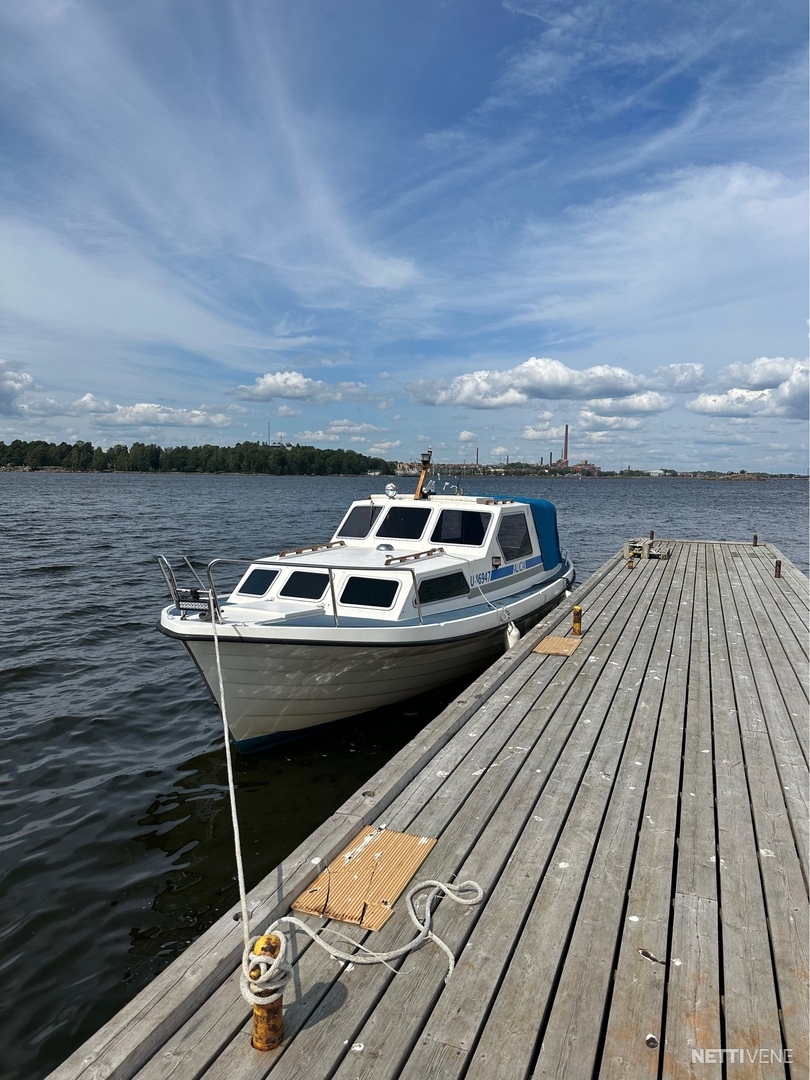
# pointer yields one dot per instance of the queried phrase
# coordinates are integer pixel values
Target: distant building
(585, 468)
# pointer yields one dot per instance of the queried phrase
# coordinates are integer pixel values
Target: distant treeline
(246, 457)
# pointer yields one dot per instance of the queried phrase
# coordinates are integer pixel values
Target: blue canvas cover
(545, 521)
(544, 514)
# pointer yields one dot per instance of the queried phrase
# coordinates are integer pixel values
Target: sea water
(115, 836)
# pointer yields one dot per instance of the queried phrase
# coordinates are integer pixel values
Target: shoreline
(727, 477)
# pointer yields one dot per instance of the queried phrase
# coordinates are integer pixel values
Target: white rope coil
(263, 977)
(272, 973)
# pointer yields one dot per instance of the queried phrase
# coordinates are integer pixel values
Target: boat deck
(637, 815)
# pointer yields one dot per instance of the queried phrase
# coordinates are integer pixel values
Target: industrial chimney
(565, 448)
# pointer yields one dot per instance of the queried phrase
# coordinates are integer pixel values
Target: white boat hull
(276, 689)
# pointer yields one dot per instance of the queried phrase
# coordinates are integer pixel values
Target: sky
(381, 226)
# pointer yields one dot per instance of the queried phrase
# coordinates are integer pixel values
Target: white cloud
(317, 436)
(142, 414)
(788, 400)
(535, 378)
(12, 384)
(650, 401)
(545, 378)
(466, 436)
(478, 390)
(351, 427)
(295, 385)
(678, 378)
(551, 379)
(384, 447)
(543, 432)
(287, 410)
(591, 421)
(762, 374)
(339, 431)
(147, 414)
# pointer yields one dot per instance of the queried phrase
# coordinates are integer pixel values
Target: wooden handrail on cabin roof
(313, 547)
(414, 555)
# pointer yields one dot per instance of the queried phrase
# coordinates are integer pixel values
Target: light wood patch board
(362, 884)
(557, 646)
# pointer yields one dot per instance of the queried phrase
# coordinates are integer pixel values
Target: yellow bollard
(268, 1029)
(630, 563)
(576, 627)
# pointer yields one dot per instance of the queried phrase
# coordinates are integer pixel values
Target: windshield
(404, 522)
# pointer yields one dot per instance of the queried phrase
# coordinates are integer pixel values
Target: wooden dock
(637, 814)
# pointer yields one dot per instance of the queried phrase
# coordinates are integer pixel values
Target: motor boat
(412, 591)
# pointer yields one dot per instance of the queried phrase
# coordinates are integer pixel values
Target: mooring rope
(263, 977)
(503, 612)
(237, 840)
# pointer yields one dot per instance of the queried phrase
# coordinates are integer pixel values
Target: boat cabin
(393, 558)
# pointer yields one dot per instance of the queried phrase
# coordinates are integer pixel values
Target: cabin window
(513, 537)
(360, 521)
(369, 592)
(258, 582)
(305, 585)
(442, 588)
(461, 527)
(404, 522)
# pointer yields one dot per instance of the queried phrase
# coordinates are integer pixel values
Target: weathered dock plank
(637, 814)
(776, 663)
(750, 1005)
(760, 705)
(637, 1002)
(693, 1011)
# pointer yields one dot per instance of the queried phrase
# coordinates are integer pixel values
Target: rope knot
(265, 969)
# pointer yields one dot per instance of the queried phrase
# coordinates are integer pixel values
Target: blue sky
(380, 225)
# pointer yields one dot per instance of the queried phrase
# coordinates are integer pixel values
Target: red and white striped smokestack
(565, 446)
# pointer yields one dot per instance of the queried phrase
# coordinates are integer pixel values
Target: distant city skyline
(387, 226)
